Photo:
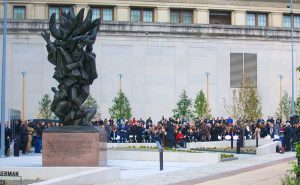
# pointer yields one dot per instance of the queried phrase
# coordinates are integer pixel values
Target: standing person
(148, 122)
(139, 133)
(7, 140)
(257, 131)
(30, 132)
(111, 122)
(107, 130)
(38, 139)
(288, 136)
(281, 135)
(24, 137)
(170, 134)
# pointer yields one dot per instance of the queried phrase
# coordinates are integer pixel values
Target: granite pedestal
(70, 146)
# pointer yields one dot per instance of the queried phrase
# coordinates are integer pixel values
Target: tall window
(19, 12)
(141, 15)
(104, 13)
(242, 64)
(251, 19)
(58, 10)
(257, 19)
(181, 16)
(286, 21)
(219, 17)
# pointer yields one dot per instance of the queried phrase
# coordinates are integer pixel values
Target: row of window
(184, 16)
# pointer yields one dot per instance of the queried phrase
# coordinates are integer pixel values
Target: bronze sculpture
(75, 69)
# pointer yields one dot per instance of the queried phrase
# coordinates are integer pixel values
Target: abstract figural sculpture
(75, 70)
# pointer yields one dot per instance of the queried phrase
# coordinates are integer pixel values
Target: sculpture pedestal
(71, 146)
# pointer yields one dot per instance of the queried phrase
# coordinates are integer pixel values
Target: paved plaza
(266, 169)
(260, 176)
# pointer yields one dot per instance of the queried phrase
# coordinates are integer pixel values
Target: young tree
(297, 106)
(246, 103)
(184, 107)
(92, 102)
(201, 107)
(286, 106)
(121, 107)
(44, 108)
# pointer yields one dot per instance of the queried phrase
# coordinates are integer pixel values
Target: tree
(246, 103)
(121, 107)
(297, 106)
(286, 106)
(44, 108)
(201, 107)
(92, 102)
(184, 107)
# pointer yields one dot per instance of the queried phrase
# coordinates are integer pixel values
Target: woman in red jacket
(180, 139)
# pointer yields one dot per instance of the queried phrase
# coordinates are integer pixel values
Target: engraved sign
(70, 149)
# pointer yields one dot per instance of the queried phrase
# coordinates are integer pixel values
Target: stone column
(202, 16)
(275, 19)
(239, 17)
(1, 10)
(123, 13)
(163, 14)
(30, 11)
(41, 11)
(10, 10)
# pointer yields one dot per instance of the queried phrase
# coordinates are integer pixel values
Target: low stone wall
(210, 158)
(269, 148)
(66, 175)
(126, 145)
(95, 176)
(225, 144)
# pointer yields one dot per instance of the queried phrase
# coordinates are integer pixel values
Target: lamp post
(292, 44)
(120, 76)
(3, 77)
(207, 74)
(23, 95)
(280, 78)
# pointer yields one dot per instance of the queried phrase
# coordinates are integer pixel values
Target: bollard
(256, 137)
(16, 147)
(161, 156)
(231, 139)
(161, 160)
(238, 146)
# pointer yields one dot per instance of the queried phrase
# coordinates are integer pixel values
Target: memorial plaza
(114, 92)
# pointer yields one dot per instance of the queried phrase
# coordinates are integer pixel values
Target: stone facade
(158, 61)
(38, 9)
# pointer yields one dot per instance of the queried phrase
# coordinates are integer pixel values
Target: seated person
(180, 139)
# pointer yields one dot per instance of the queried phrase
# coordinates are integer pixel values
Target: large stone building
(161, 47)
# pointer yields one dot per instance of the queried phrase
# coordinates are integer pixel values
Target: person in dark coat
(139, 133)
(38, 138)
(170, 134)
(148, 123)
(24, 137)
(288, 136)
(7, 139)
(214, 133)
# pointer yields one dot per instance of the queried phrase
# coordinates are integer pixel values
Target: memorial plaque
(71, 147)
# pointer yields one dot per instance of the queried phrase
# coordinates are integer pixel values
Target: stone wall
(158, 61)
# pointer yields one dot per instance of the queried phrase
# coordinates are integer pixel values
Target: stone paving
(147, 172)
(194, 175)
(264, 176)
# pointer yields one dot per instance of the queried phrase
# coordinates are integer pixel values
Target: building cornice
(256, 3)
(166, 30)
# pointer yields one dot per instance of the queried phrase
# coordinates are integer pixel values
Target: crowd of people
(175, 132)
(169, 132)
(25, 136)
